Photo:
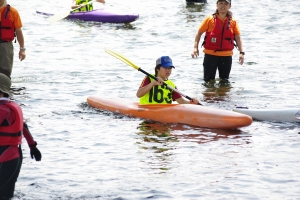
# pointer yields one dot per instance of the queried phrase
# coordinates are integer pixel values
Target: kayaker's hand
(194, 101)
(158, 82)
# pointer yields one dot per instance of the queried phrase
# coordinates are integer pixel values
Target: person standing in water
(12, 129)
(10, 26)
(221, 32)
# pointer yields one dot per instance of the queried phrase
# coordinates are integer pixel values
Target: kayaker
(82, 4)
(12, 128)
(154, 92)
(221, 32)
(10, 26)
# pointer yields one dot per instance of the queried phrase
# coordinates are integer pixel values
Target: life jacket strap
(11, 134)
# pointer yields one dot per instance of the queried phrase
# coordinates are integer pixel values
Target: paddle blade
(57, 17)
(122, 58)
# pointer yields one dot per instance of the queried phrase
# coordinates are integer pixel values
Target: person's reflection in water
(158, 142)
(157, 145)
(217, 90)
(163, 133)
(194, 10)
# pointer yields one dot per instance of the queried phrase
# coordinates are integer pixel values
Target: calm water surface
(92, 154)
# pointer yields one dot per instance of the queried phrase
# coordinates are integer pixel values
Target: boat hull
(276, 115)
(99, 15)
(189, 114)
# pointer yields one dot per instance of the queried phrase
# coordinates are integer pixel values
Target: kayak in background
(276, 115)
(99, 15)
(189, 114)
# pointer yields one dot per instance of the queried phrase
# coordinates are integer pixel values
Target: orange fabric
(208, 25)
(14, 16)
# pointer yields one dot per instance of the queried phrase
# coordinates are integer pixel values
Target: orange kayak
(189, 114)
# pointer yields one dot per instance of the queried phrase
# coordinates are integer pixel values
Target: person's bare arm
(144, 90)
(240, 47)
(21, 42)
(182, 100)
(195, 52)
(101, 1)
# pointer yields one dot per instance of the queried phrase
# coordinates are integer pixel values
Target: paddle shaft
(125, 60)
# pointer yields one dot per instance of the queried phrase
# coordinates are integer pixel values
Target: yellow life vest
(88, 7)
(159, 94)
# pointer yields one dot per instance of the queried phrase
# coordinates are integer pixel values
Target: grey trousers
(6, 58)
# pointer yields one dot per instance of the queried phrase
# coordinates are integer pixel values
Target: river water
(94, 154)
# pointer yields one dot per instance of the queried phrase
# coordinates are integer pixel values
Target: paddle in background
(125, 60)
(60, 16)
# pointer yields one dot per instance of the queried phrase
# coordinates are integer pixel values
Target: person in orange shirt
(10, 26)
(222, 31)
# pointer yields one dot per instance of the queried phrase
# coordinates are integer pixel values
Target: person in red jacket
(221, 33)
(12, 128)
(10, 27)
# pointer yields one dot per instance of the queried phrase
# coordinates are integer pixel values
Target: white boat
(276, 115)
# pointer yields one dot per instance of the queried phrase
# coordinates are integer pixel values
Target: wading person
(154, 92)
(10, 26)
(221, 33)
(12, 128)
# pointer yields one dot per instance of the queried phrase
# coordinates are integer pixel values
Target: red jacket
(11, 113)
(7, 28)
(220, 38)
(11, 134)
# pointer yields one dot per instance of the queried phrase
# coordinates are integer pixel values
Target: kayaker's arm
(74, 5)
(182, 100)
(144, 90)
(195, 52)
(101, 1)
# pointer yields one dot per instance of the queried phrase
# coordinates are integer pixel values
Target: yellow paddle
(59, 16)
(125, 60)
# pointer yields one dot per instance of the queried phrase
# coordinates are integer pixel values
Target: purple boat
(99, 16)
